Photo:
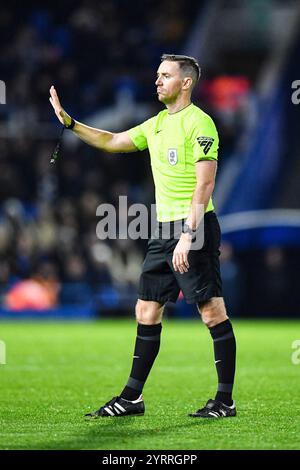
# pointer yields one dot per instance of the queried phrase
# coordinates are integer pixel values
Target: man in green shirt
(183, 144)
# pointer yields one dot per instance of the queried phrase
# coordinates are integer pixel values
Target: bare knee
(213, 312)
(148, 312)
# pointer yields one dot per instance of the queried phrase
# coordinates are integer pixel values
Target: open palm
(61, 114)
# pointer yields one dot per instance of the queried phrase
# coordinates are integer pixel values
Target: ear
(187, 83)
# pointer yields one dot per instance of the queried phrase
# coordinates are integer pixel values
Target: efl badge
(205, 143)
(172, 156)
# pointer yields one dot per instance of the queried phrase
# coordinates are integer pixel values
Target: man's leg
(130, 402)
(149, 316)
(214, 316)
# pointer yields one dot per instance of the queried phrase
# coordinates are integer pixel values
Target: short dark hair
(187, 64)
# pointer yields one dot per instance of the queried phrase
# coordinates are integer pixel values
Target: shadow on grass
(125, 433)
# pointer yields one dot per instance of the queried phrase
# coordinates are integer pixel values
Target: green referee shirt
(176, 142)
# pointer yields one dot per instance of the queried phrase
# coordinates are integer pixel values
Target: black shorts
(159, 282)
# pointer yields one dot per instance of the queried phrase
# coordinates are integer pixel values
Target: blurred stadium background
(102, 57)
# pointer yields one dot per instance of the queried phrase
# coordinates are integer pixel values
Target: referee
(183, 145)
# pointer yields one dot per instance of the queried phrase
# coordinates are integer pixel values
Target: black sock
(225, 352)
(145, 351)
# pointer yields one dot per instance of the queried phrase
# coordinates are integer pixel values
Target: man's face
(169, 81)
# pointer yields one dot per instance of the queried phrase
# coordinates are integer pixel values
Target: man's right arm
(104, 140)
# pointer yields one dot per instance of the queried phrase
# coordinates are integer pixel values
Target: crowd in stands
(90, 50)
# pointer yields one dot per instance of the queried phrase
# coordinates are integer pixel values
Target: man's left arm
(206, 174)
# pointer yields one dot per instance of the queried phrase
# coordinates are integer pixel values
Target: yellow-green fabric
(176, 142)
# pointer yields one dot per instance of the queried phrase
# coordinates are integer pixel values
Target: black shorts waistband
(174, 227)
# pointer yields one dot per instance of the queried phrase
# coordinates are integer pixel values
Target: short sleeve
(138, 137)
(204, 140)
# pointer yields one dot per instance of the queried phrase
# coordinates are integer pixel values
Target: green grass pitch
(56, 372)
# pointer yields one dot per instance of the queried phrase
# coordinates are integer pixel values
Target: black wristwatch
(187, 229)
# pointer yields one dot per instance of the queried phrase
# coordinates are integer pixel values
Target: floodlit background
(102, 57)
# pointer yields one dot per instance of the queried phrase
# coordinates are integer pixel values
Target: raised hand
(61, 114)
